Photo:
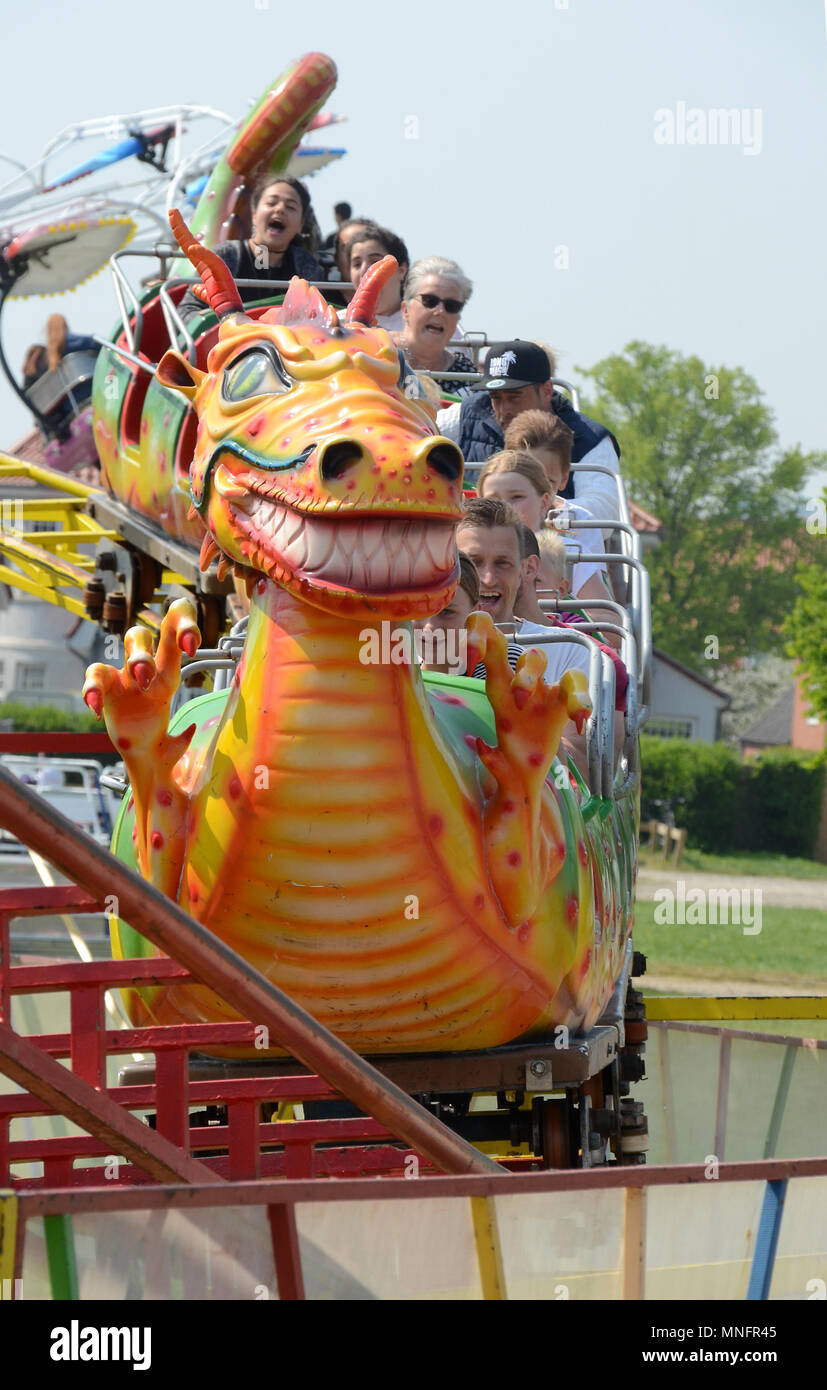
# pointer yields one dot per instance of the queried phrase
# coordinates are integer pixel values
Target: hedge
(770, 803)
(781, 802)
(48, 719)
(701, 783)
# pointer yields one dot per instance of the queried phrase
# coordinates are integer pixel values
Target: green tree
(700, 451)
(806, 626)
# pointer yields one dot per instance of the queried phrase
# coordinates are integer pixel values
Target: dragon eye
(255, 374)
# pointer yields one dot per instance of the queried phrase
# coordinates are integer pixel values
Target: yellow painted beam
(489, 1253)
(50, 477)
(8, 1242)
(674, 1008)
(19, 581)
(45, 539)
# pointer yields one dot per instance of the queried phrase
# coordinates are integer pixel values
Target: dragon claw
(94, 700)
(575, 688)
(143, 673)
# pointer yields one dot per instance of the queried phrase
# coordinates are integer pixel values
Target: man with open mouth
(490, 534)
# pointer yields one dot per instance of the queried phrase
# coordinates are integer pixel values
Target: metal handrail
(640, 612)
(599, 731)
(634, 715)
(122, 286)
(267, 287)
(127, 356)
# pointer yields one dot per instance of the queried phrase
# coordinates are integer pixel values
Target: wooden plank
(489, 1252)
(633, 1258)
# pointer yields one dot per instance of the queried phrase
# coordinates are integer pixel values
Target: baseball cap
(508, 366)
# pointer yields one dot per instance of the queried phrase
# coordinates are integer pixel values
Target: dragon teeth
(359, 552)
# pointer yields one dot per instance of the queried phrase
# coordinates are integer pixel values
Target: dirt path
(723, 988)
(775, 892)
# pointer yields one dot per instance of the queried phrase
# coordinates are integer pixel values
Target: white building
(44, 652)
(684, 704)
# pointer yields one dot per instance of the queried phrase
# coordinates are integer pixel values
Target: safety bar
(620, 486)
(630, 541)
(268, 287)
(164, 252)
(133, 333)
(600, 725)
(128, 356)
(639, 609)
(628, 649)
(475, 342)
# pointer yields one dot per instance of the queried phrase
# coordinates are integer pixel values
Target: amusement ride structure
(365, 922)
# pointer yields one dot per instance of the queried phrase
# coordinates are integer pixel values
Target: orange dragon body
(395, 853)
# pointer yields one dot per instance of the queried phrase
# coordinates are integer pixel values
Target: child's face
(454, 615)
(556, 470)
(549, 577)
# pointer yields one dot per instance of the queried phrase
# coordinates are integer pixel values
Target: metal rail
(600, 724)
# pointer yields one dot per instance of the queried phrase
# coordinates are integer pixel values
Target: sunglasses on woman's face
(432, 301)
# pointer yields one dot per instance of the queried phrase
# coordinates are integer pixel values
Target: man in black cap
(517, 377)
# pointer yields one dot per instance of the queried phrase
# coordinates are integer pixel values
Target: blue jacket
(480, 436)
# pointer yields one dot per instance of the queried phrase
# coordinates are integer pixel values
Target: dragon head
(311, 466)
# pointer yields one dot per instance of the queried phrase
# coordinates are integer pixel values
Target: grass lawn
(792, 945)
(767, 865)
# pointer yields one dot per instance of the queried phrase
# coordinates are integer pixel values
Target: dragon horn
(362, 307)
(221, 289)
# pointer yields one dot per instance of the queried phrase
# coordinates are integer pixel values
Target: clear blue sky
(535, 128)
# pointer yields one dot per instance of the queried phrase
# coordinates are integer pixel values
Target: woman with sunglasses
(436, 291)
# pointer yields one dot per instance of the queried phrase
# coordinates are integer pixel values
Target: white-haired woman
(436, 290)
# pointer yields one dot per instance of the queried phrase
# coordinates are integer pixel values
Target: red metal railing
(254, 1148)
(81, 1094)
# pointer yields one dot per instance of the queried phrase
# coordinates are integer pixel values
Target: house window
(31, 677)
(663, 727)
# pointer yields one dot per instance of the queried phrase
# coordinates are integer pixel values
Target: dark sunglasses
(432, 301)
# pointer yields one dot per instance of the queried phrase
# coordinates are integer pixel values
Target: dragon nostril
(446, 460)
(338, 458)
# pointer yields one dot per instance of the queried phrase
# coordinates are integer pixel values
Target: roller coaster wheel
(634, 1132)
(552, 1134)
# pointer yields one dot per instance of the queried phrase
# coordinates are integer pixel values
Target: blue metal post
(766, 1241)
